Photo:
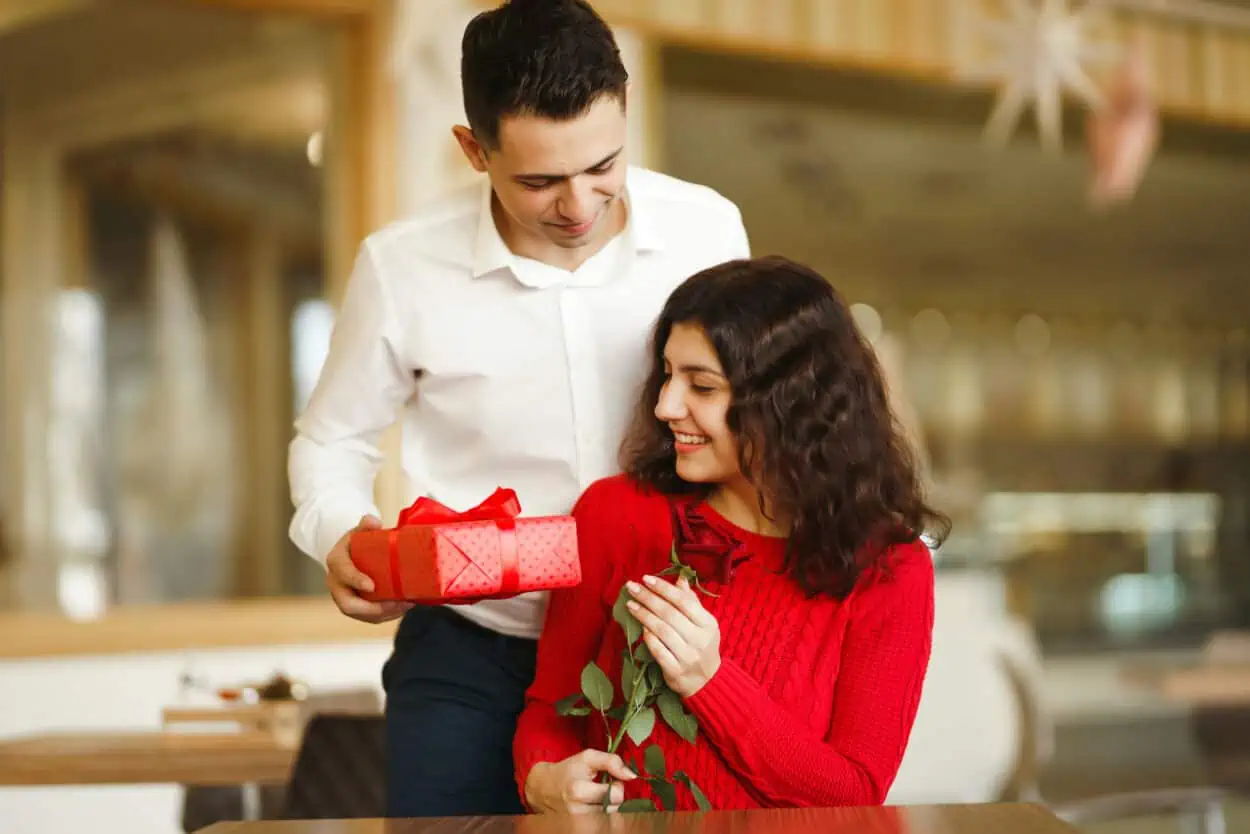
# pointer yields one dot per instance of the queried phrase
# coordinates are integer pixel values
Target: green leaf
(643, 655)
(625, 619)
(569, 705)
(672, 557)
(596, 687)
(617, 713)
(675, 716)
(666, 792)
(637, 806)
(700, 798)
(640, 726)
(689, 575)
(629, 674)
(644, 692)
(653, 761)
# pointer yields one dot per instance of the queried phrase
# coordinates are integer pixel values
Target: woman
(764, 455)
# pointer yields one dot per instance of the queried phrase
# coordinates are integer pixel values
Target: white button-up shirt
(507, 371)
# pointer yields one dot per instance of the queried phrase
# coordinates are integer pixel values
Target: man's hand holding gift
(347, 583)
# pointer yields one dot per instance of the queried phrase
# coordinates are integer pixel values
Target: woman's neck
(739, 504)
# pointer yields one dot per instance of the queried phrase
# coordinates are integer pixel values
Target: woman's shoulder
(619, 512)
(905, 568)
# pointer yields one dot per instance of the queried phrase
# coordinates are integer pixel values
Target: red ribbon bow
(501, 507)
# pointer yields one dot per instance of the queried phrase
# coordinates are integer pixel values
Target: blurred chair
(966, 696)
(1198, 810)
(340, 772)
(204, 805)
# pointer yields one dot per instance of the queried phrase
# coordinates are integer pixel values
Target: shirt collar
(490, 253)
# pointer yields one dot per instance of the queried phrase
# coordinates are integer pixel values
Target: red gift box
(435, 554)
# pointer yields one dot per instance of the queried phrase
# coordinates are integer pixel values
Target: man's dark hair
(546, 58)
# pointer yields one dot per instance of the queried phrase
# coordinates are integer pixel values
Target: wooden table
(1219, 675)
(144, 758)
(946, 819)
(247, 760)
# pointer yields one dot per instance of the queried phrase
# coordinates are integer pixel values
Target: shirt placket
(585, 385)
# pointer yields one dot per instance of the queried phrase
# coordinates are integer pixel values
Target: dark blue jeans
(453, 694)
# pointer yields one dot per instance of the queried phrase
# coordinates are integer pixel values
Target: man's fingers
(346, 572)
(361, 609)
(345, 569)
(394, 608)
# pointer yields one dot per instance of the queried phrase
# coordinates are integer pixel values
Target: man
(507, 324)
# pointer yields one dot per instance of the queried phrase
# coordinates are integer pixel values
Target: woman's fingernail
(650, 580)
(632, 606)
(633, 586)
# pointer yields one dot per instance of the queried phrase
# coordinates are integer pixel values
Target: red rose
(710, 551)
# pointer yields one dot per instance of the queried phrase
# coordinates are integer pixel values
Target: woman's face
(694, 402)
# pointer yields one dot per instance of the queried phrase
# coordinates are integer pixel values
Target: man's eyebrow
(558, 177)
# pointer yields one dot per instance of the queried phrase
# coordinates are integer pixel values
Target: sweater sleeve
(885, 656)
(572, 633)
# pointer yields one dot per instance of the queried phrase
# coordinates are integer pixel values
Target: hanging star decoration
(1043, 49)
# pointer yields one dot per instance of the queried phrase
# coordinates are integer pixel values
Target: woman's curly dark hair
(809, 408)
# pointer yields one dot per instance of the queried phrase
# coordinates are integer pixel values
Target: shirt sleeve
(884, 659)
(334, 458)
(739, 243)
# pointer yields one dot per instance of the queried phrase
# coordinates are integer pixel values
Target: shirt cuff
(334, 523)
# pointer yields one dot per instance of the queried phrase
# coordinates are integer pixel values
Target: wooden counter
(947, 819)
(193, 625)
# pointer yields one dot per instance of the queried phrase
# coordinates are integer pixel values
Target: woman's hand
(572, 786)
(683, 637)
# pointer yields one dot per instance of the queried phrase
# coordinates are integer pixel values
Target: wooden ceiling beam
(323, 9)
(18, 14)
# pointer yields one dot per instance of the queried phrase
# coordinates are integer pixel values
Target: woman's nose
(671, 405)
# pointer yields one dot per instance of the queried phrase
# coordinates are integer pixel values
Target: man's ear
(472, 149)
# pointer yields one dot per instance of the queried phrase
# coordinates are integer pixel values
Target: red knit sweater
(814, 699)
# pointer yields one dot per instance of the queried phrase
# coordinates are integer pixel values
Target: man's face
(558, 181)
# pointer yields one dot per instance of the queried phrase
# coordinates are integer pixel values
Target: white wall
(128, 691)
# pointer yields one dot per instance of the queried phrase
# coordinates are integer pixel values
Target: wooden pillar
(33, 256)
(266, 330)
(646, 131)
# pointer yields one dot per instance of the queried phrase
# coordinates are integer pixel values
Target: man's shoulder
(444, 224)
(682, 198)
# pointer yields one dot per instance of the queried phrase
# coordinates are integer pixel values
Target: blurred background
(184, 184)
